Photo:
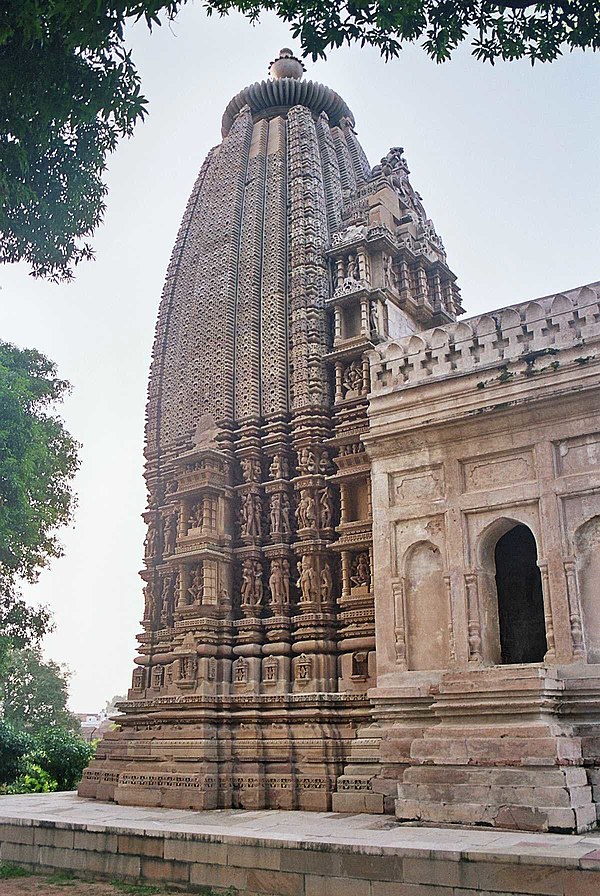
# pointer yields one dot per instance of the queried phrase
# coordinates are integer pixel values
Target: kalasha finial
(286, 66)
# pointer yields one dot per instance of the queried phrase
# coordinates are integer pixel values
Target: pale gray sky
(506, 159)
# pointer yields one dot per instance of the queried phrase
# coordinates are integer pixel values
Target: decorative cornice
(285, 93)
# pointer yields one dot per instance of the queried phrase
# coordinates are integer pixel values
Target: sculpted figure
(250, 469)
(285, 507)
(195, 517)
(307, 461)
(389, 274)
(326, 583)
(353, 377)
(149, 601)
(361, 570)
(247, 589)
(307, 583)
(353, 269)
(166, 599)
(178, 597)
(275, 513)
(251, 510)
(170, 533)
(196, 588)
(279, 581)
(152, 540)
(373, 320)
(258, 584)
(279, 467)
(326, 509)
(307, 510)
(286, 573)
(276, 582)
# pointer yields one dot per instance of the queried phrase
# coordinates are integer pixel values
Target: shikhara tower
(299, 279)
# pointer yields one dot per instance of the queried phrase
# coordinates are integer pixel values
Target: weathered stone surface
(373, 530)
(296, 853)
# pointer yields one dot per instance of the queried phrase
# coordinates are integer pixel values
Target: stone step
(451, 793)
(498, 750)
(516, 817)
(538, 776)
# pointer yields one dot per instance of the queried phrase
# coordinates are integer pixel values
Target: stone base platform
(277, 853)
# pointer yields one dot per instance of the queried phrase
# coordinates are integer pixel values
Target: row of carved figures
(315, 510)
(309, 460)
(315, 584)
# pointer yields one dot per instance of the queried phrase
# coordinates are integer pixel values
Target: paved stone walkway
(372, 832)
(296, 853)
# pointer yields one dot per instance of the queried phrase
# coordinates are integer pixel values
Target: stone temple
(372, 573)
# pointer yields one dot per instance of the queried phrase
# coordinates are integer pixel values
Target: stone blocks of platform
(301, 855)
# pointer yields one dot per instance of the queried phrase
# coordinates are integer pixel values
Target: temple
(372, 571)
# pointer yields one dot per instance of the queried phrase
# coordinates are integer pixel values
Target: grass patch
(7, 870)
(137, 889)
(62, 878)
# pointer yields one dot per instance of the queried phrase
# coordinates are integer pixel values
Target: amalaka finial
(286, 66)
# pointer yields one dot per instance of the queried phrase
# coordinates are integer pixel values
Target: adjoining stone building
(372, 574)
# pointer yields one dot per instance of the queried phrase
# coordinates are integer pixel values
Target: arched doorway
(520, 600)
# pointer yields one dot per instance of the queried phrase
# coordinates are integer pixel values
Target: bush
(32, 779)
(13, 746)
(62, 754)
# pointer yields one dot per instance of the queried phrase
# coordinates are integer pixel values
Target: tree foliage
(69, 89)
(34, 693)
(62, 755)
(14, 745)
(38, 460)
(506, 29)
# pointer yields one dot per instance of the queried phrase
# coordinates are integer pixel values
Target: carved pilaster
(574, 609)
(399, 623)
(550, 656)
(449, 602)
(474, 620)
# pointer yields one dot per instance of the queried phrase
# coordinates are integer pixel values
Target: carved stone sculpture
(152, 542)
(170, 534)
(196, 515)
(251, 514)
(353, 378)
(326, 583)
(326, 509)
(196, 589)
(307, 510)
(361, 570)
(247, 588)
(279, 468)
(308, 582)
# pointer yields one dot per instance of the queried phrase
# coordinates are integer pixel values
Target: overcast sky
(505, 157)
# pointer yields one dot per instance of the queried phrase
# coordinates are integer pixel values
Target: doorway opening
(520, 599)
